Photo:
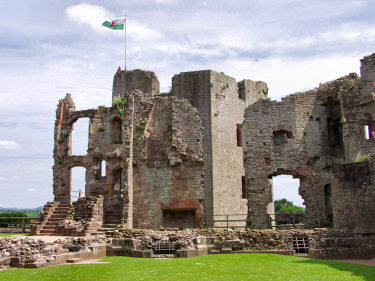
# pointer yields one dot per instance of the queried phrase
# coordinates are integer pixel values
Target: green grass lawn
(12, 234)
(212, 267)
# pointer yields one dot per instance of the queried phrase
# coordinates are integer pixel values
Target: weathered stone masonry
(220, 101)
(152, 147)
(308, 134)
(173, 159)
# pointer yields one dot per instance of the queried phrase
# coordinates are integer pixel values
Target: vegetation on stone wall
(120, 103)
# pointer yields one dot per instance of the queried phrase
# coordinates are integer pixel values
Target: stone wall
(30, 252)
(321, 243)
(305, 135)
(353, 193)
(151, 146)
(220, 102)
(137, 79)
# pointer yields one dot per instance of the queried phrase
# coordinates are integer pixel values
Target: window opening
(367, 132)
(244, 193)
(288, 203)
(80, 136)
(239, 135)
(281, 137)
(103, 168)
(328, 203)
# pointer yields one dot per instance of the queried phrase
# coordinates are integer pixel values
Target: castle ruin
(210, 147)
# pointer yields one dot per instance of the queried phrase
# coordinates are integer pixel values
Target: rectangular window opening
(367, 132)
(244, 193)
(239, 135)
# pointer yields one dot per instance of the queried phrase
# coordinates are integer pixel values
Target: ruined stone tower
(221, 103)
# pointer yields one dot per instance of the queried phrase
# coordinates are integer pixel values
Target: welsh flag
(115, 24)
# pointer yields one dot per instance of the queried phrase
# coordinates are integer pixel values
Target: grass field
(12, 234)
(212, 267)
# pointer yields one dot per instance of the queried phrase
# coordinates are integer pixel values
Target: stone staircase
(60, 212)
(112, 218)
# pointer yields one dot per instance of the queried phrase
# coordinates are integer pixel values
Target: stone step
(73, 260)
(57, 216)
(50, 227)
(44, 231)
(109, 225)
(51, 223)
(60, 211)
(54, 219)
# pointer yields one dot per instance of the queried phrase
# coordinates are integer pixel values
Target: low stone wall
(28, 252)
(192, 242)
(322, 243)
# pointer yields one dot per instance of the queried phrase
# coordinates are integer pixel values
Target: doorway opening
(288, 203)
(78, 183)
(80, 136)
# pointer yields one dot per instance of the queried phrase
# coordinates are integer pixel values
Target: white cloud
(8, 179)
(31, 189)
(89, 14)
(166, 1)
(9, 145)
(94, 16)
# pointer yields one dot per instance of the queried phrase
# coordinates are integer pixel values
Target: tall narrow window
(366, 129)
(244, 193)
(104, 168)
(80, 137)
(328, 203)
(239, 135)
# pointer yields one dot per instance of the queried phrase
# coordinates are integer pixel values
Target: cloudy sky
(48, 48)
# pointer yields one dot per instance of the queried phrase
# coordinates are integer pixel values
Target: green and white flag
(115, 24)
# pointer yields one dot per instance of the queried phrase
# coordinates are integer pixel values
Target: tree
(280, 204)
(287, 212)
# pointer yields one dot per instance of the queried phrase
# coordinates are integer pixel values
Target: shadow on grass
(366, 272)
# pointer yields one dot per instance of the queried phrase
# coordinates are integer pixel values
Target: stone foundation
(322, 243)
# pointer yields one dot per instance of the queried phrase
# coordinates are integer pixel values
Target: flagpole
(125, 27)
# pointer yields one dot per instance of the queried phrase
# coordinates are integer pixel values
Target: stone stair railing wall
(83, 218)
(45, 214)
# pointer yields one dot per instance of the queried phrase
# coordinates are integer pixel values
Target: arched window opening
(288, 203)
(78, 182)
(80, 136)
(103, 168)
(281, 137)
(116, 131)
